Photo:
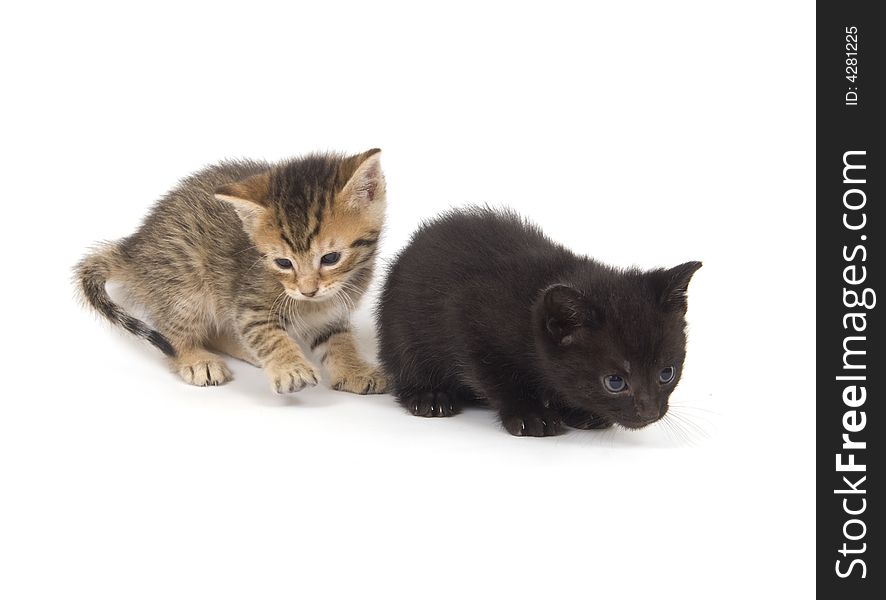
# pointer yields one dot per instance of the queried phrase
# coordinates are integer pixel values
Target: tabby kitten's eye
(667, 375)
(330, 259)
(283, 263)
(615, 383)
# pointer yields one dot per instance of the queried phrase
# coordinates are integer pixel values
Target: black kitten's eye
(667, 375)
(615, 383)
(283, 263)
(330, 259)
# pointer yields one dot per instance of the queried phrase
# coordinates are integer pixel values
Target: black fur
(482, 306)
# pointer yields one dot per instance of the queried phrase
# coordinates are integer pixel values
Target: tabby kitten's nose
(310, 294)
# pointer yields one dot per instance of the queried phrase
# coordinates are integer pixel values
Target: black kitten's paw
(431, 404)
(546, 422)
(584, 420)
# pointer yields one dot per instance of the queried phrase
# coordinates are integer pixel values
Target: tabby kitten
(242, 252)
(482, 306)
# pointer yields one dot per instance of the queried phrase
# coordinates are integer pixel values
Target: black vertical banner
(850, 232)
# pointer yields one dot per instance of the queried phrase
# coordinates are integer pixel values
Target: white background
(640, 133)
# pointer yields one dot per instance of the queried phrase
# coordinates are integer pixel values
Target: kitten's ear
(248, 196)
(673, 284)
(367, 183)
(563, 312)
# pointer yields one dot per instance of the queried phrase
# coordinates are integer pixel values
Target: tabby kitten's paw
(290, 378)
(204, 371)
(535, 424)
(369, 380)
(431, 404)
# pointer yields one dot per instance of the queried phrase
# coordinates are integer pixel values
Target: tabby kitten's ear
(248, 196)
(367, 184)
(564, 311)
(672, 285)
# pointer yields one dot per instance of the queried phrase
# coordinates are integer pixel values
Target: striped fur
(203, 267)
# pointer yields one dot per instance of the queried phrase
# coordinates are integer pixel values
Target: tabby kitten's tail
(92, 273)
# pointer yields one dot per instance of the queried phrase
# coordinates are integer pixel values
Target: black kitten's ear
(247, 196)
(563, 312)
(673, 284)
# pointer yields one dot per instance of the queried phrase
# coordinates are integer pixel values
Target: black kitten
(482, 306)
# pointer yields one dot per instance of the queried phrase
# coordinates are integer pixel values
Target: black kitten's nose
(648, 413)
(647, 408)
